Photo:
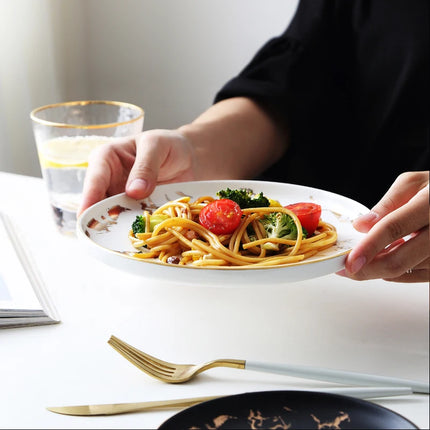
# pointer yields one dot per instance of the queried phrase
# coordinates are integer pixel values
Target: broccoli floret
(139, 224)
(280, 225)
(245, 198)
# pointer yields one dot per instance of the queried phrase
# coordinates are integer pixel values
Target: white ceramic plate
(103, 229)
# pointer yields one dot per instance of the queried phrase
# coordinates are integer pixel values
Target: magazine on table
(24, 300)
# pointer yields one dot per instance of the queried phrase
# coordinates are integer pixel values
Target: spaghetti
(179, 238)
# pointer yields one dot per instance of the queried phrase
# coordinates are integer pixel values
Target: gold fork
(165, 371)
(177, 373)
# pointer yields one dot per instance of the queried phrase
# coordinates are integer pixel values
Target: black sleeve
(293, 67)
(349, 78)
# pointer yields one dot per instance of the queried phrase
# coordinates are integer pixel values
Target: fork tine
(145, 358)
(132, 358)
(126, 350)
(140, 359)
(142, 365)
(155, 362)
(148, 358)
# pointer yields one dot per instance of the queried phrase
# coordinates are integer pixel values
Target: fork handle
(223, 362)
(339, 376)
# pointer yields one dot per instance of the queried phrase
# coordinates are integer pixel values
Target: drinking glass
(65, 134)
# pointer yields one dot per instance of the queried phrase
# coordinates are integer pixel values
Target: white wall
(27, 76)
(169, 56)
(172, 56)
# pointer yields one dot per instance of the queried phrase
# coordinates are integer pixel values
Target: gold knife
(122, 408)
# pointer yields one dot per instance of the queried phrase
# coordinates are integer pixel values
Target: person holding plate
(339, 101)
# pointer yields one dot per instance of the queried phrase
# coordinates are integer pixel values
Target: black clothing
(351, 80)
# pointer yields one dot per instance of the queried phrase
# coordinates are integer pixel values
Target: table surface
(373, 327)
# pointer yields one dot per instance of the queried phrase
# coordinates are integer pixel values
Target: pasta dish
(231, 231)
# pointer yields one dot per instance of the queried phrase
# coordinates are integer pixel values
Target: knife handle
(339, 376)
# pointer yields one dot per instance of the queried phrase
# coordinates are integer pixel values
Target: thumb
(144, 173)
(137, 188)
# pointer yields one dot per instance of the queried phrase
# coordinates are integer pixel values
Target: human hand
(135, 165)
(397, 246)
(223, 142)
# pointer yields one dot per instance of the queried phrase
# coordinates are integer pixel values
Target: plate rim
(81, 229)
(264, 393)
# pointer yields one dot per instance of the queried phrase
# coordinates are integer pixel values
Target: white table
(374, 327)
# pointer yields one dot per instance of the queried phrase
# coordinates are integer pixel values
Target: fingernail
(342, 273)
(358, 263)
(370, 217)
(137, 185)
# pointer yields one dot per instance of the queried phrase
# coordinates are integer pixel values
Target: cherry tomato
(309, 215)
(221, 216)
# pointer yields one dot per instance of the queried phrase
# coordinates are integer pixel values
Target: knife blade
(122, 408)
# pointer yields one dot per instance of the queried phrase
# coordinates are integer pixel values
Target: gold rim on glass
(33, 114)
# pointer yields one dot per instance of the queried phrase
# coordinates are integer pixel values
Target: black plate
(287, 409)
